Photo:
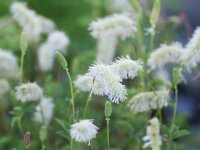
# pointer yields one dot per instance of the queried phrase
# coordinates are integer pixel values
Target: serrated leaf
(180, 133)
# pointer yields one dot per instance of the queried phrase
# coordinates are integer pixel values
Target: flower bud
(61, 59)
(108, 109)
(23, 43)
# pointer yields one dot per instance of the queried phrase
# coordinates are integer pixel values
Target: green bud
(61, 59)
(23, 43)
(136, 6)
(155, 13)
(108, 109)
(43, 133)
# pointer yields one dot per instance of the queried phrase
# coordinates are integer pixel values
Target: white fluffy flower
(117, 25)
(8, 65)
(28, 92)
(127, 68)
(106, 49)
(192, 52)
(166, 54)
(33, 24)
(153, 138)
(108, 82)
(146, 101)
(46, 57)
(44, 110)
(4, 86)
(83, 82)
(58, 40)
(83, 131)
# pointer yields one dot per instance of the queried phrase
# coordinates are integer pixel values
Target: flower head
(108, 82)
(8, 65)
(117, 25)
(191, 57)
(166, 54)
(127, 68)
(83, 82)
(33, 24)
(83, 131)
(4, 86)
(28, 92)
(153, 138)
(146, 101)
(44, 110)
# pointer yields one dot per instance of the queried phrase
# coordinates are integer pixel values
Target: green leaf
(180, 133)
(63, 134)
(61, 123)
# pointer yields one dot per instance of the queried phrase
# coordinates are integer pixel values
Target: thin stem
(19, 122)
(22, 67)
(72, 92)
(151, 42)
(174, 116)
(71, 144)
(108, 134)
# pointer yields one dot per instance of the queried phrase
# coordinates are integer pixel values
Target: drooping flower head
(28, 92)
(8, 65)
(57, 40)
(166, 54)
(153, 138)
(32, 24)
(192, 51)
(146, 101)
(4, 86)
(127, 68)
(106, 49)
(44, 110)
(117, 25)
(83, 131)
(108, 82)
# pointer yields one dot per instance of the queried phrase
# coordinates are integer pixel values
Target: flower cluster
(108, 78)
(153, 138)
(117, 25)
(8, 65)
(33, 24)
(28, 92)
(57, 40)
(166, 54)
(44, 110)
(146, 101)
(192, 51)
(83, 131)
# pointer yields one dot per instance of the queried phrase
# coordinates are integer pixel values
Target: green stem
(174, 116)
(72, 92)
(151, 42)
(71, 144)
(19, 122)
(22, 67)
(108, 133)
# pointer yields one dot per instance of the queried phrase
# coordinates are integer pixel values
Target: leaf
(180, 133)
(63, 134)
(61, 123)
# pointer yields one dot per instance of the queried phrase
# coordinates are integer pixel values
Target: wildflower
(28, 92)
(33, 24)
(58, 40)
(146, 101)
(83, 131)
(117, 25)
(45, 57)
(8, 65)
(153, 138)
(108, 82)
(44, 110)
(191, 57)
(106, 49)
(4, 86)
(83, 83)
(127, 68)
(166, 54)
